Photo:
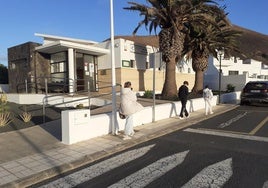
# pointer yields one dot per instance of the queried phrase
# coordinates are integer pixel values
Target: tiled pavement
(30, 155)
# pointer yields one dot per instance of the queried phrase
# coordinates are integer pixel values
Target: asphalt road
(228, 150)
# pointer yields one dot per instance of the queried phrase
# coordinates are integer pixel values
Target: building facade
(24, 65)
(58, 65)
(234, 71)
(70, 65)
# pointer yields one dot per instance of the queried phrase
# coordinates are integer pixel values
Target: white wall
(59, 101)
(25, 98)
(100, 125)
(239, 81)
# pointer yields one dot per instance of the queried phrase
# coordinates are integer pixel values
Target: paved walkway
(30, 155)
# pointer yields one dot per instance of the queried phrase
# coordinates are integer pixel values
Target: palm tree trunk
(170, 88)
(199, 64)
(198, 85)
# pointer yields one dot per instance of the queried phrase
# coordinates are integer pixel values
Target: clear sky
(90, 19)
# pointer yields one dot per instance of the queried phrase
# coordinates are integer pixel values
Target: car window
(256, 86)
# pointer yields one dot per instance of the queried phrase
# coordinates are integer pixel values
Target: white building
(235, 71)
(138, 62)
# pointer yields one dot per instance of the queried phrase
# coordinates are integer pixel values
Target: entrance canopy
(54, 44)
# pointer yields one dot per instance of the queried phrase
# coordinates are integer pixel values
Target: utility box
(73, 125)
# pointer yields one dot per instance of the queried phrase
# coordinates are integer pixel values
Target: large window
(58, 67)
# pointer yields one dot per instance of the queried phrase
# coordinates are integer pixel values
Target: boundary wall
(101, 124)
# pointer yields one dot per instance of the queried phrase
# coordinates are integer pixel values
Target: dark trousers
(183, 108)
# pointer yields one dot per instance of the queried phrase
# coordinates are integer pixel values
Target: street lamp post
(220, 52)
(114, 114)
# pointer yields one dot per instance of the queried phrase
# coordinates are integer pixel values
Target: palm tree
(172, 17)
(205, 38)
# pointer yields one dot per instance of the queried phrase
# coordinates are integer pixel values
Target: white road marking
(98, 169)
(231, 135)
(215, 175)
(226, 124)
(259, 126)
(146, 175)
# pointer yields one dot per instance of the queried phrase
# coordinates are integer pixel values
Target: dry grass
(5, 118)
(26, 116)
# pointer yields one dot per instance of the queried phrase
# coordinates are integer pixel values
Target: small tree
(148, 94)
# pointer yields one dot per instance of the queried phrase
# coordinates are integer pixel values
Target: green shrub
(230, 88)
(80, 106)
(148, 94)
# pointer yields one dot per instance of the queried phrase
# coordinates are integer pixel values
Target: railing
(45, 85)
(83, 94)
(57, 90)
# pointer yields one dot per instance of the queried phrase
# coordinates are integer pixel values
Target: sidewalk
(34, 154)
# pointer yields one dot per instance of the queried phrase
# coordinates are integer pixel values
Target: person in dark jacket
(183, 96)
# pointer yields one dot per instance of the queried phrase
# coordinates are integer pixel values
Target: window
(125, 63)
(58, 67)
(131, 63)
(189, 70)
(233, 72)
(235, 59)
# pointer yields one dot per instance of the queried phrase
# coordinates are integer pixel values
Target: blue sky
(90, 19)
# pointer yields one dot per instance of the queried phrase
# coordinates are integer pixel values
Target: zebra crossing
(214, 175)
(146, 175)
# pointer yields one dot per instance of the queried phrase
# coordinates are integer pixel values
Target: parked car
(254, 92)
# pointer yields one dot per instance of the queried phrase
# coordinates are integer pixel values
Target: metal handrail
(44, 81)
(88, 96)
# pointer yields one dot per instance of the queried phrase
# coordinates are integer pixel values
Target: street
(228, 150)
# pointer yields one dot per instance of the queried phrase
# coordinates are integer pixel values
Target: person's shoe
(188, 116)
(132, 134)
(211, 113)
(181, 117)
(126, 137)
